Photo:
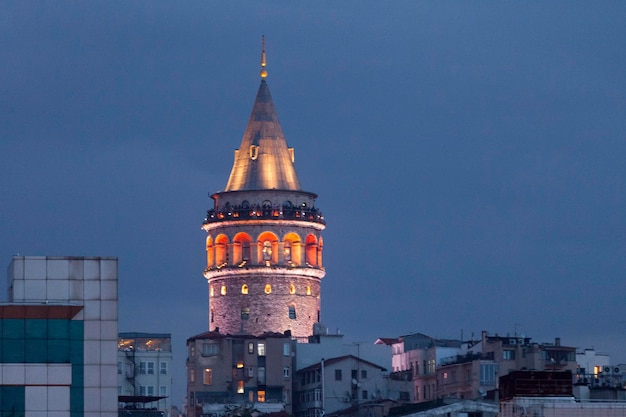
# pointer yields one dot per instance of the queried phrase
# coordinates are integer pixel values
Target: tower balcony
(308, 214)
(235, 270)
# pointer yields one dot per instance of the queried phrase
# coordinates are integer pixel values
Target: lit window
(268, 289)
(207, 378)
(292, 289)
(240, 364)
(287, 251)
(223, 290)
(254, 152)
(308, 290)
(292, 312)
(244, 289)
(212, 291)
(192, 375)
(260, 348)
(267, 251)
(245, 313)
(261, 396)
(239, 387)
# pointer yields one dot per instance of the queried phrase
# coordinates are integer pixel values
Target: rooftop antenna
(263, 62)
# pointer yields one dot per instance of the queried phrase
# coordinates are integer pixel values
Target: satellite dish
(354, 381)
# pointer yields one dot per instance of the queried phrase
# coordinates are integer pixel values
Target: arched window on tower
(245, 313)
(223, 290)
(292, 312)
(293, 249)
(311, 250)
(244, 289)
(221, 251)
(241, 249)
(268, 288)
(268, 249)
(210, 253)
(292, 289)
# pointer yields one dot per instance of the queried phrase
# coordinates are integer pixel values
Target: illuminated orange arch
(293, 248)
(311, 250)
(267, 248)
(221, 250)
(241, 247)
(210, 252)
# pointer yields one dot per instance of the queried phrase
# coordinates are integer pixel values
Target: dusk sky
(469, 156)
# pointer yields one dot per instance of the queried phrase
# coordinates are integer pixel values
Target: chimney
(557, 341)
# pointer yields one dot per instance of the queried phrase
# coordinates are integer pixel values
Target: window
(286, 372)
(364, 394)
(119, 368)
(261, 375)
(245, 313)
(244, 289)
(292, 312)
(268, 289)
(163, 391)
(240, 387)
(142, 368)
(254, 152)
(354, 374)
(151, 368)
(488, 374)
(250, 371)
(508, 355)
(292, 289)
(210, 349)
(150, 390)
(260, 348)
(260, 397)
(287, 251)
(223, 290)
(163, 368)
(286, 349)
(192, 375)
(267, 251)
(363, 373)
(337, 374)
(308, 290)
(207, 376)
(142, 390)
(250, 347)
(212, 291)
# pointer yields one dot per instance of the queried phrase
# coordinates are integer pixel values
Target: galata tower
(264, 236)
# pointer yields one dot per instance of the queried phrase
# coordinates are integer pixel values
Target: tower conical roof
(263, 161)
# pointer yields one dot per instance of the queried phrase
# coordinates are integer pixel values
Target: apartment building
(228, 371)
(144, 366)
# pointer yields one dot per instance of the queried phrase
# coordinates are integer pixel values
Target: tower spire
(263, 61)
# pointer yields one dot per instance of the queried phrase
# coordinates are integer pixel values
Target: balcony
(309, 214)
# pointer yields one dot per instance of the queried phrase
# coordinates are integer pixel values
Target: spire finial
(263, 62)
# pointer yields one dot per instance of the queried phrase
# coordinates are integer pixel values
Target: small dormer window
(254, 152)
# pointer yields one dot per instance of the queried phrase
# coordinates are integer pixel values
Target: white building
(144, 366)
(59, 336)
